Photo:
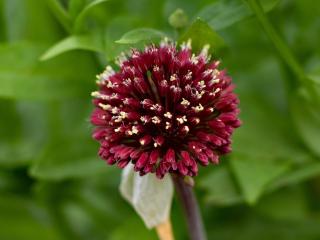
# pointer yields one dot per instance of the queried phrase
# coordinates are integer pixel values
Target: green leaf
(139, 35)
(224, 13)
(280, 205)
(22, 76)
(302, 173)
(266, 134)
(21, 219)
(281, 46)
(86, 42)
(254, 175)
(220, 188)
(264, 129)
(306, 116)
(24, 135)
(32, 21)
(256, 226)
(3, 30)
(125, 230)
(64, 159)
(9, 181)
(202, 34)
(60, 13)
(78, 23)
(312, 85)
(75, 7)
(315, 78)
(19, 140)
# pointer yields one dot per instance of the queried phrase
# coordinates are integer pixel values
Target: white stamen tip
(156, 68)
(168, 115)
(198, 108)
(185, 102)
(182, 119)
(134, 130)
(216, 91)
(115, 110)
(95, 94)
(194, 59)
(186, 45)
(105, 106)
(188, 76)
(123, 115)
(143, 119)
(173, 77)
(117, 129)
(156, 120)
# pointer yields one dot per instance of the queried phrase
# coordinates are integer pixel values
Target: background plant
(52, 184)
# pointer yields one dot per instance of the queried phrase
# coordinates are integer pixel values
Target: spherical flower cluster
(165, 110)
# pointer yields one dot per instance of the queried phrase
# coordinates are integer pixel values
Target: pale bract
(150, 197)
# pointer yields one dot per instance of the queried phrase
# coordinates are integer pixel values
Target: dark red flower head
(165, 110)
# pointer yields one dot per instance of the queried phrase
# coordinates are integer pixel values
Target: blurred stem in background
(53, 200)
(299, 82)
(278, 42)
(3, 29)
(59, 218)
(61, 14)
(190, 207)
(301, 79)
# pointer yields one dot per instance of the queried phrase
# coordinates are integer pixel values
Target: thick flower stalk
(166, 110)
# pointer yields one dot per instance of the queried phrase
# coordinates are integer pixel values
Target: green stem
(60, 222)
(284, 51)
(61, 14)
(54, 203)
(3, 26)
(278, 42)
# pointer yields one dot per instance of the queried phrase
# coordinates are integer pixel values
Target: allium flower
(165, 110)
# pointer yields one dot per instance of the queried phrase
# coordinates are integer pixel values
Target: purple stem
(190, 208)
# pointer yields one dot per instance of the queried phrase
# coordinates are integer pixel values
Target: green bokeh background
(53, 185)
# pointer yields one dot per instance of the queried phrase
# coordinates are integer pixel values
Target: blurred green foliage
(52, 184)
